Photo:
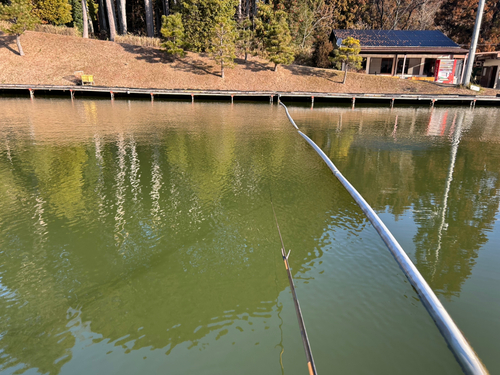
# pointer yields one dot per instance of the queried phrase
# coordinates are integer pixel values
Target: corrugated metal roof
(398, 38)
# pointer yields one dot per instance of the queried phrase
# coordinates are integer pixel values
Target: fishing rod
(303, 332)
(461, 348)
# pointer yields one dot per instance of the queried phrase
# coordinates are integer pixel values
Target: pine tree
(19, 14)
(56, 12)
(223, 43)
(76, 13)
(200, 18)
(172, 31)
(348, 55)
(246, 38)
(275, 35)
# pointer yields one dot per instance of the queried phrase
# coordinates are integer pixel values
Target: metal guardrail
(465, 355)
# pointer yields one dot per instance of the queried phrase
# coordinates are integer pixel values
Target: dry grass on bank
(58, 30)
(137, 40)
(53, 60)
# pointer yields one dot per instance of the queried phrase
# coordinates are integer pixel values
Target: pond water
(139, 237)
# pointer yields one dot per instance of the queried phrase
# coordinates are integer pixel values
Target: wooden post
(232, 97)
(192, 98)
(392, 103)
(72, 94)
(152, 97)
(404, 65)
(32, 93)
(271, 99)
(112, 95)
(432, 103)
(353, 102)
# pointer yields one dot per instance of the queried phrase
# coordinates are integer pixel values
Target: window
(412, 66)
(386, 66)
(380, 66)
(429, 66)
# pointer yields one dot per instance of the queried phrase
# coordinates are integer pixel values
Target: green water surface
(139, 237)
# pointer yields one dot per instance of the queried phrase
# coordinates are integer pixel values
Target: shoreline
(77, 92)
(57, 61)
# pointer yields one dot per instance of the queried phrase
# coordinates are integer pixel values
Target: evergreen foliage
(273, 31)
(55, 12)
(172, 31)
(246, 39)
(348, 55)
(322, 50)
(200, 18)
(19, 14)
(223, 43)
(76, 14)
(281, 29)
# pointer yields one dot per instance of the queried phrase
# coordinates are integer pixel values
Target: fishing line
(303, 332)
(278, 309)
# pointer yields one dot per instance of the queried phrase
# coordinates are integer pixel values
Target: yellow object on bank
(87, 79)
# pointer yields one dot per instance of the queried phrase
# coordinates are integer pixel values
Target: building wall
(415, 65)
(494, 62)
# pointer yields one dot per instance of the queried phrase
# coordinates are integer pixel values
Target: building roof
(400, 40)
(488, 55)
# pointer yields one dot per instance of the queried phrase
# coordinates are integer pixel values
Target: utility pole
(473, 46)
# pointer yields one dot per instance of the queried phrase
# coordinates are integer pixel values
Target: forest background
(300, 28)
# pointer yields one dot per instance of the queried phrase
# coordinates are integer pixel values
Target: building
(415, 54)
(486, 69)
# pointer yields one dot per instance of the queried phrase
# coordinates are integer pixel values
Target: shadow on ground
(252, 65)
(150, 55)
(73, 79)
(194, 66)
(329, 75)
(157, 56)
(6, 41)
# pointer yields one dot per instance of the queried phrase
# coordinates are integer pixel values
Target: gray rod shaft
(473, 46)
(303, 332)
(465, 355)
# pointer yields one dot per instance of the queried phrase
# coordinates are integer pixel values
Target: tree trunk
(19, 47)
(149, 18)
(222, 69)
(85, 20)
(122, 16)
(111, 20)
(275, 67)
(239, 10)
(157, 18)
(166, 7)
(345, 74)
(90, 22)
(246, 55)
(103, 24)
